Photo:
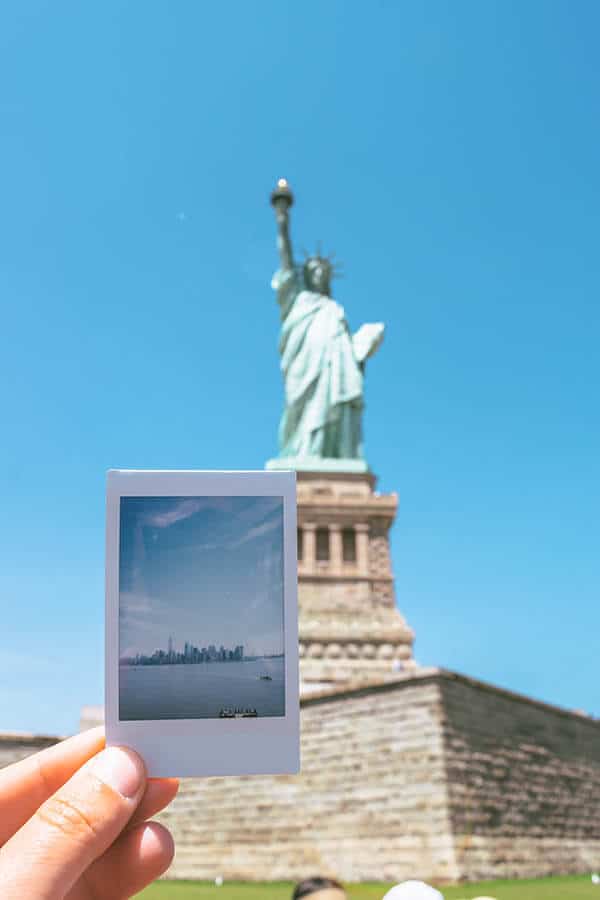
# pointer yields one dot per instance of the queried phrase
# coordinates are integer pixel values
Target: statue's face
(317, 274)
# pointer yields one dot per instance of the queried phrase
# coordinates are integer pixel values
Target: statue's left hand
(367, 340)
(72, 823)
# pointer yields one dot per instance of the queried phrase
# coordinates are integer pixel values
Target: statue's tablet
(201, 621)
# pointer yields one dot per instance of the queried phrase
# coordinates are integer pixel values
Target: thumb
(74, 827)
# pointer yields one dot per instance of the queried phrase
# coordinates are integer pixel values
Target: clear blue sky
(203, 570)
(449, 153)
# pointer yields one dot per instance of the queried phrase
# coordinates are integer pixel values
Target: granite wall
(370, 802)
(434, 776)
(523, 783)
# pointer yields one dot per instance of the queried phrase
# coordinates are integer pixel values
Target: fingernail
(120, 768)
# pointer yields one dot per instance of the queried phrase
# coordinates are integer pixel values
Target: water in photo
(201, 608)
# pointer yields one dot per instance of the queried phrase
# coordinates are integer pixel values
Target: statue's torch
(282, 197)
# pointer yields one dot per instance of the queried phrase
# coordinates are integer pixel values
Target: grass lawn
(564, 888)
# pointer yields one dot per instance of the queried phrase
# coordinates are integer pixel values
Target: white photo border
(203, 747)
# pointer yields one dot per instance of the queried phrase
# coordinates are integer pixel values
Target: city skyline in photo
(200, 572)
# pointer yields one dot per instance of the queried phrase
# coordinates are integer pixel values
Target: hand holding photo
(202, 619)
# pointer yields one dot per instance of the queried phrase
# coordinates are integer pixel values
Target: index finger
(27, 784)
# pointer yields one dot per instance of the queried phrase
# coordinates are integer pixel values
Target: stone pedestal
(350, 628)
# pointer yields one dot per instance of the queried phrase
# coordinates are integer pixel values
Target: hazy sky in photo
(208, 570)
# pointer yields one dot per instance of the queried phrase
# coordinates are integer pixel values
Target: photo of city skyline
(201, 607)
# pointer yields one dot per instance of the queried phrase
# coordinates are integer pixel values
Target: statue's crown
(328, 261)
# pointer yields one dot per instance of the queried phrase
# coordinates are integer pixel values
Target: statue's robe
(322, 373)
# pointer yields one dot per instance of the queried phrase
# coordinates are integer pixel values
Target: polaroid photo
(202, 621)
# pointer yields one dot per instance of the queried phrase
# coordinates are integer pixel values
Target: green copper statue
(322, 362)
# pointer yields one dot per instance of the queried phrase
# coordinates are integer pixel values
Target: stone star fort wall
(433, 775)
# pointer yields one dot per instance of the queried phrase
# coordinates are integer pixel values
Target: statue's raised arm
(282, 199)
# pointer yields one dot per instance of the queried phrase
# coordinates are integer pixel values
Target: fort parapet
(434, 775)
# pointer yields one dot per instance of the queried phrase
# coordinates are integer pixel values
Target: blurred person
(319, 888)
(413, 890)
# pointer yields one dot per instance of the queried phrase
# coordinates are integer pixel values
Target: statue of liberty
(322, 362)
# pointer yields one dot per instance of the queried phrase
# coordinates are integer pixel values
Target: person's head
(319, 888)
(413, 890)
(317, 274)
